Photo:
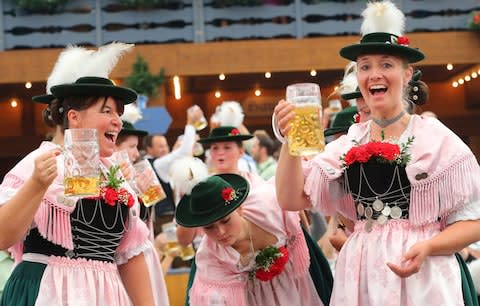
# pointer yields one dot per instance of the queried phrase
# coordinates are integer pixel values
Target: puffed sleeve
(134, 241)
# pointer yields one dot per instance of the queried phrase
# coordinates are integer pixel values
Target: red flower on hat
(403, 40)
(228, 194)
(234, 132)
(356, 118)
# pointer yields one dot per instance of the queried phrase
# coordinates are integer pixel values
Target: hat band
(211, 209)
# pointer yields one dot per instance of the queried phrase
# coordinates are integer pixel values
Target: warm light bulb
(455, 84)
(258, 93)
(176, 87)
(313, 72)
(13, 103)
(28, 85)
(268, 75)
(218, 94)
(478, 71)
(449, 66)
(221, 77)
(335, 88)
(461, 81)
(467, 78)
(474, 75)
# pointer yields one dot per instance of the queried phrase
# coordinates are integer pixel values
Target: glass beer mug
(170, 231)
(82, 162)
(153, 191)
(306, 134)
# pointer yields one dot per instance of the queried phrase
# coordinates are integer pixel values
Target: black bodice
(379, 189)
(97, 229)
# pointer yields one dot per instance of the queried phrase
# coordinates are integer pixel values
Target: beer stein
(82, 163)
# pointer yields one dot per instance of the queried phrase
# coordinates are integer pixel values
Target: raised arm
(17, 213)
(289, 176)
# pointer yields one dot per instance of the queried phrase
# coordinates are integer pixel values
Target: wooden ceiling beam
(235, 57)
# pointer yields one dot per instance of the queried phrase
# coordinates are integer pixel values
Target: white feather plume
(131, 113)
(230, 114)
(68, 66)
(76, 62)
(105, 58)
(186, 172)
(349, 83)
(382, 16)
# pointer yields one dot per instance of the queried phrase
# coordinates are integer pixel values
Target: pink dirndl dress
(221, 279)
(448, 186)
(86, 274)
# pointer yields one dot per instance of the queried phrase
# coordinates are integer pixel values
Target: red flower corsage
(234, 132)
(269, 263)
(228, 194)
(403, 40)
(111, 192)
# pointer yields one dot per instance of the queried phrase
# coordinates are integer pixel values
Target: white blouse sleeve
(470, 211)
(6, 193)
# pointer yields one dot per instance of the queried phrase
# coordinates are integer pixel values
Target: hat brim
(336, 130)
(209, 140)
(139, 133)
(122, 93)
(44, 99)
(352, 52)
(351, 95)
(185, 218)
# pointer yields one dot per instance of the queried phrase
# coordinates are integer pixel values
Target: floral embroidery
(111, 192)
(228, 194)
(269, 263)
(380, 151)
(234, 132)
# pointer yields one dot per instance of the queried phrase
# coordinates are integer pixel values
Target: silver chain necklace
(383, 123)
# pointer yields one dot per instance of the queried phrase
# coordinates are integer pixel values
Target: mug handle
(276, 131)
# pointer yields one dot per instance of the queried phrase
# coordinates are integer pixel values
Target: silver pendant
(368, 212)
(386, 211)
(382, 219)
(396, 212)
(360, 209)
(369, 225)
(378, 205)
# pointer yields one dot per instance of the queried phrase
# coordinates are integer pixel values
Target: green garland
(46, 6)
(142, 81)
(150, 4)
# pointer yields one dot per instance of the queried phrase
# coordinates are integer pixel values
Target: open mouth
(376, 90)
(110, 136)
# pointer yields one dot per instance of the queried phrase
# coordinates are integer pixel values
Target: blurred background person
(262, 152)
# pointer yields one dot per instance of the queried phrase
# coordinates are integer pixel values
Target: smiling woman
(408, 183)
(49, 233)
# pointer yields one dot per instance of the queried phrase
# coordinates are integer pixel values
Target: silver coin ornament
(386, 211)
(369, 225)
(368, 212)
(377, 205)
(396, 212)
(360, 209)
(382, 219)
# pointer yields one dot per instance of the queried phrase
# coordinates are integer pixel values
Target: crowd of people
(386, 214)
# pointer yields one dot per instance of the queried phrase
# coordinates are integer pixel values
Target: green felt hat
(94, 86)
(211, 200)
(129, 129)
(223, 134)
(383, 43)
(352, 95)
(44, 99)
(343, 120)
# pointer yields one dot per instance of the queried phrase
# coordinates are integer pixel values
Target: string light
(218, 94)
(313, 72)
(474, 75)
(449, 66)
(13, 103)
(467, 78)
(455, 84)
(176, 86)
(268, 75)
(258, 92)
(221, 77)
(28, 85)
(461, 81)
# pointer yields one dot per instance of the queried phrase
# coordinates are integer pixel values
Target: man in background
(262, 152)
